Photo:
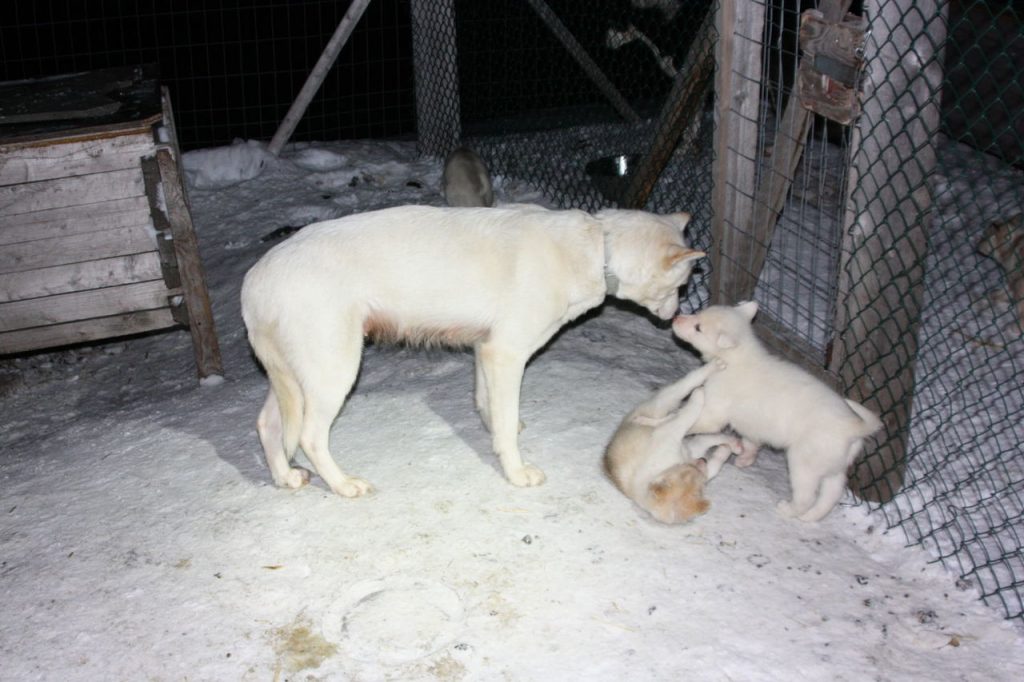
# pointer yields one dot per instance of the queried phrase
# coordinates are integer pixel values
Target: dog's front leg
(480, 390)
(503, 375)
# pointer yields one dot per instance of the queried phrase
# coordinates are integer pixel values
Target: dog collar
(611, 280)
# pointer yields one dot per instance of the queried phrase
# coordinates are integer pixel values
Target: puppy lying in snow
(656, 464)
(767, 400)
(501, 280)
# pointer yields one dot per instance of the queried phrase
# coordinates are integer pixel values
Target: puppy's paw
(352, 487)
(735, 446)
(295, 478)
(526, 476)
(720, 364)
(747, 454)
(785, 509)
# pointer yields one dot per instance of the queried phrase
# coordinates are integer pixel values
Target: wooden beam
(740, 27)
(885, 228)
(680, 116)
(583, 58)
(317, 75)
(193, 279)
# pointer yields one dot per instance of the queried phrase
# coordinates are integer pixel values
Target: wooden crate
(96, 238)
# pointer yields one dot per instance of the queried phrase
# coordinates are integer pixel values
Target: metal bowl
(611, 174)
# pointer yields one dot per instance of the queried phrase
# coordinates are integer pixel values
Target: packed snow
(142, 539)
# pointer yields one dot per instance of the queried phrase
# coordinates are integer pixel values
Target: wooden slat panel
(22, 164)
(44, 253)
(61, 222)
(85, 330)
(75, 191)
(83, 305)
(95, 274)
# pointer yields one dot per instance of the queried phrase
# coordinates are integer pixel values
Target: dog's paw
(526, 476)
(719, 364)
(785, 509)
(747, 454)
(352, 487)
(736, 446)
(295, 478)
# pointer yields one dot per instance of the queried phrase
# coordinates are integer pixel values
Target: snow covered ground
(141, 538)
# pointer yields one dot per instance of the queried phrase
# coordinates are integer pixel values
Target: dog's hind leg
(270, 427)
(831, 491)
(329, 367)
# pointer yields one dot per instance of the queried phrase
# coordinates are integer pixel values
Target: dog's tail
(872, 423)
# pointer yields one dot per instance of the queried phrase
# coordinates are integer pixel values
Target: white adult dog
(502, 280)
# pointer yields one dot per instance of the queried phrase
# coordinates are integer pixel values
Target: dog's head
(717, 330)
(677, 494)
(648, 256)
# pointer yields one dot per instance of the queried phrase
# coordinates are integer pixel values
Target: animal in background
(500, 280)
(654, 462)
(1003, 242)
(767, 400)
(465, 181)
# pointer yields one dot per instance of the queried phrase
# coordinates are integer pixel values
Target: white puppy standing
(501, 280)
(768, 400)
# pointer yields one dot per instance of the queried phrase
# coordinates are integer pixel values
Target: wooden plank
(193, 279)
(82, 331)
(44, 253)
(82, 305)
(740, 27)
(25, 163)
(885, 228)
(100, 132)
(96, 274)
(76, 191)
(71, 220)
(435, 66)
(680, 116)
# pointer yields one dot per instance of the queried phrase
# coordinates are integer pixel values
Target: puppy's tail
(871, 421)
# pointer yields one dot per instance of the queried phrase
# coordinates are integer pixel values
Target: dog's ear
(682, 219)
(725, 341)
(681, 254)
(748, 309)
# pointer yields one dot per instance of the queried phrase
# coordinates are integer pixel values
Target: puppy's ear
(658, 489)
(679, 254)
(748, 309)
(682, 219)
(725, 341)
